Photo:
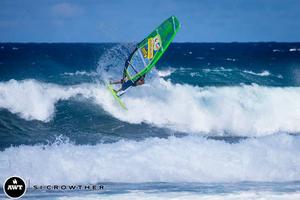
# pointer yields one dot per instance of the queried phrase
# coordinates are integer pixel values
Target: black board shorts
(127, 85)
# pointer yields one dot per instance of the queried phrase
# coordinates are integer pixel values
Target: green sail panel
(149, 50)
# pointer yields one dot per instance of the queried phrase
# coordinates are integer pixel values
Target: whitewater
(213, 121)
(248, 110)
(187, 159)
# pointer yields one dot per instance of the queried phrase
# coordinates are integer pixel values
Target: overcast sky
(131, 20)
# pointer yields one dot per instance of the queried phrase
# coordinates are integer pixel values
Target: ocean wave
(186, 159)
(231, 59)
(235, 75)
(80, 73)
(263, 73)
(232, 71)
(294, 49)
(166, 72)
(34, 100)
(217, 69)
(157, 195)
(278, 50)
(240, 110)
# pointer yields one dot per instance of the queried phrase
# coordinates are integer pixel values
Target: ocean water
(213, 121)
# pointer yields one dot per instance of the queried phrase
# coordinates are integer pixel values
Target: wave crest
(187, 159)
(242, 110)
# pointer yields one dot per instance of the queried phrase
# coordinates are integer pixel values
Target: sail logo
(14, 187)
(144, 52)
(157, 43)
(154, 45)
(150, 48)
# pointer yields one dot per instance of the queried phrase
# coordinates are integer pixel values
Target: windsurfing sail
(150, 49)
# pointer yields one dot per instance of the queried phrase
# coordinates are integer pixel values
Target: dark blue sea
(213, 121)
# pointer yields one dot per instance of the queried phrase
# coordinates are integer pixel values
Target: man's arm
(117, 82)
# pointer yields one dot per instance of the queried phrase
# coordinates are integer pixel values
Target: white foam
(193, 74)
(241, 110)
(278, 50)
(294, 49)
(31, 99)
(187, 159)
(217, 69)
(250, 195)
(111, 62)
(279, 76)
(231, 59)
(263, 73)
(80, 73)
(165, 73)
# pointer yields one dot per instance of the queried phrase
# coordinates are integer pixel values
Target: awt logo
(14, 187)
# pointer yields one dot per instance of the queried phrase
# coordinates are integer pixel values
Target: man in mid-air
(128, 83)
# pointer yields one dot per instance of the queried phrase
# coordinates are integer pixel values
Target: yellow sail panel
(150, 48)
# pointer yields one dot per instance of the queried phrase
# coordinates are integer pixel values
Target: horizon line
(6, 42)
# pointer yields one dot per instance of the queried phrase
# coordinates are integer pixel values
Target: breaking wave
(187, 159)
(241, 110)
